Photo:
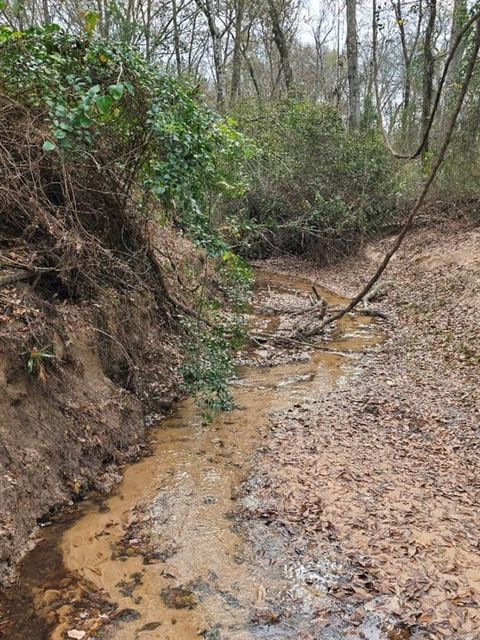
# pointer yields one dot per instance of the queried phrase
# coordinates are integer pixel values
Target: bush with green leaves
(312, 181)
(235, 279)
(105, 144)
(105, 102)
(208, 366)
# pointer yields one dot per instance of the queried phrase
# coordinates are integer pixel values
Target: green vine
(103, 100)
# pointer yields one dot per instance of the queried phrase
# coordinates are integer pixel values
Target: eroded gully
(164, 557)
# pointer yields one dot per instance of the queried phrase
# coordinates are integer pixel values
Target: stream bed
(165, 557)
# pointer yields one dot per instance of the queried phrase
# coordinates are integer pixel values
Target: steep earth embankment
(374, 488)
(80, 380)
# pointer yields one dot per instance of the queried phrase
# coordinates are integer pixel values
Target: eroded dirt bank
(81, 378)
(373, 490)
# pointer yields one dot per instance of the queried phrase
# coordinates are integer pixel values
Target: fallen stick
(262, 338)
(15, 276)
(374, 313)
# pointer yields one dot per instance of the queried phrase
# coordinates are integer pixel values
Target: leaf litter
(380, 480)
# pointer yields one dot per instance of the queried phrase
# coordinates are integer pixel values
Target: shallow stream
(163, 557)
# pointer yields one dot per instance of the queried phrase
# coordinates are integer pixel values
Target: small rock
(76, 634)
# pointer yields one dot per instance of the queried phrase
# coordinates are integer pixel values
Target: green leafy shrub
(236, 279)
(313, 180)
(208, 366)
(97, 144)
(104, 102)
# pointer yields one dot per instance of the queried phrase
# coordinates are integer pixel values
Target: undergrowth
(208, 365)
(208, 368)
(313, 181)
(99, 149)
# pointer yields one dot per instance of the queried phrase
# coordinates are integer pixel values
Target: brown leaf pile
(385, 472)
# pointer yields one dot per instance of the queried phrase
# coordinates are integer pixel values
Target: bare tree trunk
(428, 69)
(148, 29)
(459, 16)
(219, 70)
(352, 65)
(237, 52)
(281, 44)
(253, 77)
(176, 38)
(46, 12)
(206, 7)
(104, 22)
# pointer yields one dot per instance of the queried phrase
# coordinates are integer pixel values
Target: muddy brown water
(163, 556)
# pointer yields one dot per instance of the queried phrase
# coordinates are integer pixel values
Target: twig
(279, 339)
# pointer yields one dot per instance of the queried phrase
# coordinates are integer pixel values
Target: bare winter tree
(352, 63)
(281, 42)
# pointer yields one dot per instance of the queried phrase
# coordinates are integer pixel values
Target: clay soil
(80, 382)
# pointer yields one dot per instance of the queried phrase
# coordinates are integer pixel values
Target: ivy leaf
(85, 121)
(116, 90)
(48, 146)
(91, 20)
(104, 104)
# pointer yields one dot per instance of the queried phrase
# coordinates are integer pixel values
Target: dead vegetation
(69, 223)
(89, 327)
(69, 234)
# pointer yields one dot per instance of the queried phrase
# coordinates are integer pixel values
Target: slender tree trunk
(407, 62)
(104, 18)
(459, 17)
(281, 44)
(352, 66)
(428, 69)
(237, 52)
(219, 69)
(46, 12)
(176, 38)
(148, 30)
(253, 77)
(206, 7)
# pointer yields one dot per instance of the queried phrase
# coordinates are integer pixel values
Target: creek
(164, 556)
